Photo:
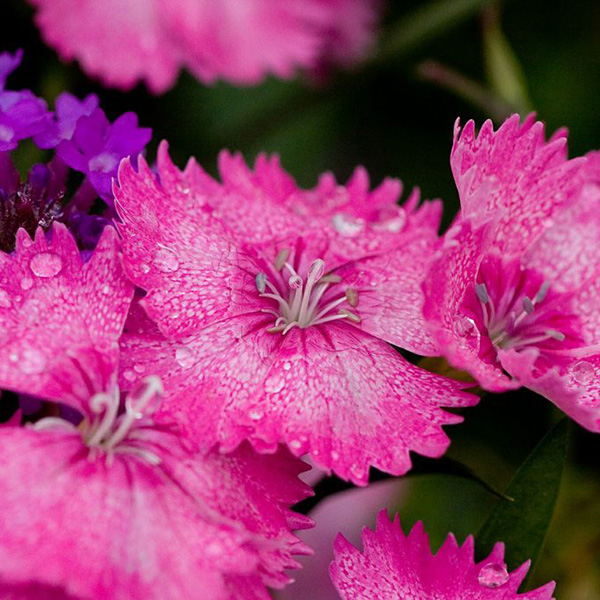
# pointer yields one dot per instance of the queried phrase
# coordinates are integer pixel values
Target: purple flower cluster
(82, 139)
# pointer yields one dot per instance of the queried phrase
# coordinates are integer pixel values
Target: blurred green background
(395, 115)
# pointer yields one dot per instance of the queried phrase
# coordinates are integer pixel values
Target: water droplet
(13, 357)
(274, 384)
(287, 365)
(347, 225)
(145, 268)
(256, 414)
(335, 455)
(464, 326)
(46, 264)
(357, 471)
(26, 283)
(32, 361)
(166, 261)
(106, 289)
(4, 299)
(296, 444)
(583, 371)
(139, 368)
(184, 357)
(183, 189)
(129, 375)
(493, 575)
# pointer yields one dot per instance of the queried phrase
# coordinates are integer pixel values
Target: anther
(539, 297)
(557, 335)
(330, 278)
(352, 297)
(528, 305)
(349, 315)
(281, 258)
(481, 291)
(261, 282)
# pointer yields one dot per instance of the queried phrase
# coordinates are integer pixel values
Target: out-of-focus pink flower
(511, 295)
(241, 42)
(280, 337)
(397, 566)
(119, 506)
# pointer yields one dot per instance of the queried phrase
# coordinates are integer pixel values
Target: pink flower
(393, 565)
(280, 337)
(119, 506)
(510, 297)
(238, 41)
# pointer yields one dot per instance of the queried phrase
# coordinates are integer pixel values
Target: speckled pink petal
(178, 252)
(60, 319)
(390, 299)
(516, 172)
(398, 567)
(215, 527)
(449, 276)
(329, 391)
(100, 34)
(574, 387)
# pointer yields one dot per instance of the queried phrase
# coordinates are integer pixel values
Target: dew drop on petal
(464, 326)
(46, 264)
(166, 261)
(26, 283)
(5, 301)
(296, 444)
(357, 471)
(139, 368)
(145, 268)
(347, 225)
(184, 357)
(256, 414)
(583, 371)
(335, 455)
(13, 357)
(493, 575)
(274, 384)
(287, 365)
(32, 361)
(129, 375)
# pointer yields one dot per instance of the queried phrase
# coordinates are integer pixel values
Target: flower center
(304, 302)
(111, 431)
(518, 309)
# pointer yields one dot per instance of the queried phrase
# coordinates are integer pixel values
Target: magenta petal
(60, 319)
(99, 34)
(314, 389)
(513, 171)
(394, 565)
(190, 527)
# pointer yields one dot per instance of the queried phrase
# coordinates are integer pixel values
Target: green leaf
(522, 524)
(504, 72)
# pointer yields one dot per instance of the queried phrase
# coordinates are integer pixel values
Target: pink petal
(514, 171)
(393, 565)
(56, 313)
(313, 389)
(190, 527)
(449, 277)
(100, 34)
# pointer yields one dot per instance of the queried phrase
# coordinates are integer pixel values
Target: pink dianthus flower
(395, 566)
(271, 325)
(511, 297)
(119, 506)
(241, 42)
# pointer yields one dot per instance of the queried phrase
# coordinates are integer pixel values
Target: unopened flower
(395, 566)
(280, 337)
(118, 505)
(510, 296)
